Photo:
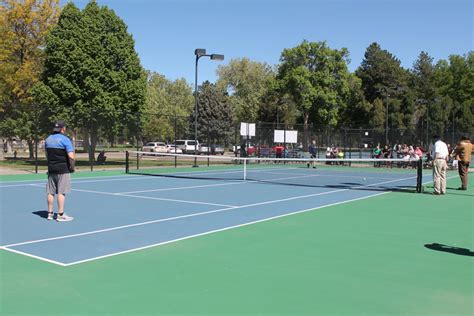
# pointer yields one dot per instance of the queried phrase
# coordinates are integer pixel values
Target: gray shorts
(58, 183)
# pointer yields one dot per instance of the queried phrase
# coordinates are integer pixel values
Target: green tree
(93, 73)
(316, 77)
(166, 102)
(277, 107)
(246, 81)
(24, 26)
(380, 70)
(385, 81)
(458, 86)
(215, 114)
(359, 112)
(429, 110)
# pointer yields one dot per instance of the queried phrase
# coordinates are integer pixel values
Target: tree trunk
(9, 146)
(93, 144)
(74, 138)
(90, 142)
(2, 148)
(31, 148)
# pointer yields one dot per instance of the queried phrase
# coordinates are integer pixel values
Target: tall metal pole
(175, 131)
(36, 137)
(452, 133)
(199, 52)
(386, 117)
(427, 129)
(195, 108)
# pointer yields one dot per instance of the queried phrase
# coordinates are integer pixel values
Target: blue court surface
(120, 214)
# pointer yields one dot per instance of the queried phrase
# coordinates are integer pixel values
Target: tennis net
(372, 174)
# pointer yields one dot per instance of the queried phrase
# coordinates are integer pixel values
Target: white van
(188, 147)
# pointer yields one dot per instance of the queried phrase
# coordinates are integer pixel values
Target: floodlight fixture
(200, 51)
(217, 57)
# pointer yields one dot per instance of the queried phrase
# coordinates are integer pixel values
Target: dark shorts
(58, 183)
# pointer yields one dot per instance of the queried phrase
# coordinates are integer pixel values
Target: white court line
(173, 200)
(195, 214)
(182, 188)
(33, 256)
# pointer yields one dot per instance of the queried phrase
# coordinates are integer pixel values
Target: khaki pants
(439, 175)
(463, 169)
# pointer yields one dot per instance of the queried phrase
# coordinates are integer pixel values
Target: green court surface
(366, 257)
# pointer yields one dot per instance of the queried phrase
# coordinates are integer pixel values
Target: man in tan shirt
(463, 155)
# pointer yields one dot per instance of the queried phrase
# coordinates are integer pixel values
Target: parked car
(188, 146)
(217, 149)
(212, 149)
(205, 149)
(173, 149)
(156, 147)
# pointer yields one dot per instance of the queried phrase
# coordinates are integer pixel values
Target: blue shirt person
(60, 156)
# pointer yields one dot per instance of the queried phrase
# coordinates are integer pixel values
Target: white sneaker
(50, 216)
(64, 218)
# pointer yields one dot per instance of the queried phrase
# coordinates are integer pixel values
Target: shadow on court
(42, 214)
(450, 249)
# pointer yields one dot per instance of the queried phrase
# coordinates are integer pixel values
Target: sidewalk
(8, 171)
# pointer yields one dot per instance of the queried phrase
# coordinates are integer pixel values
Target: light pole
(452, 132)
(386, 117)
(387, 94)
(386, 90)
(199, 52)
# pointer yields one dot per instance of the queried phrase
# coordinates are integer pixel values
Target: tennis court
(357, 238)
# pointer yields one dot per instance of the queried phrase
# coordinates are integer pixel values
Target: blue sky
(166, 32)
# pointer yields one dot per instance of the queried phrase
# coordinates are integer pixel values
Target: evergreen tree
(384, 79)
(427, 97)
(215, 114)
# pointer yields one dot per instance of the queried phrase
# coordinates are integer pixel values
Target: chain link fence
(352, 142)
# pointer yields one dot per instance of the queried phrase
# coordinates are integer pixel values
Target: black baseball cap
(58, 125)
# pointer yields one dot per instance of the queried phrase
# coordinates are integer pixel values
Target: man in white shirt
(440, 156)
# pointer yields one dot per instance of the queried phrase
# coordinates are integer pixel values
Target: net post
(419, 175)
(127, 155)
(245, 169)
